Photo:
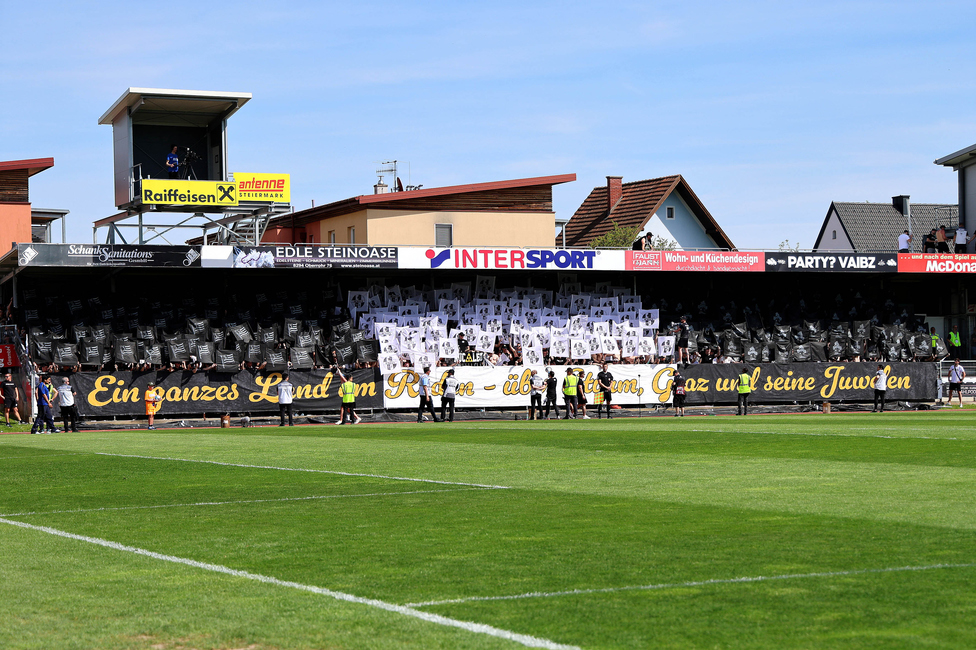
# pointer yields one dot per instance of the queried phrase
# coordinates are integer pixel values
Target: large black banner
(843, 262)
(809, 382)
(187, 393)
(107, 255)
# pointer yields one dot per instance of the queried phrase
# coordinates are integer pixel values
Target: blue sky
(769, 110)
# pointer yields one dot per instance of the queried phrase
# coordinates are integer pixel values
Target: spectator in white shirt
(956, 375)
(904, 242)
(961, 239)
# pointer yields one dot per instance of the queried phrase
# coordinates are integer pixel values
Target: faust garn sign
(809, 382)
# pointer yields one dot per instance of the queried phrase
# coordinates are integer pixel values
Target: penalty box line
(477, 628)
(695, 583)
(243, 501)
(303, 469)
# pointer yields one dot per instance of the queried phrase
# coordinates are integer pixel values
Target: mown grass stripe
(694, 583)
(478, 628)
(228, 503)
(303, 469)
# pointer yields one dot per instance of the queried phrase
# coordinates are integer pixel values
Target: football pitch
(799, 531)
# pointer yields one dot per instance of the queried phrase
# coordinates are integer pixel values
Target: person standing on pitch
(347, 391)
(551, 401)
(66, 400)
(880, 388)
(605, 384)
(11, 395)
(581, 394)
(426, 397)
(535, 395)
(153, 401)
(448, 395)
(956, 375)
(745, 387)
(678, 394)
(569, 392)
(286, 395)
(45, 408)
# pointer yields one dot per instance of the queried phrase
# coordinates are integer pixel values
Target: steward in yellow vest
(347, 391)
(745, 387)
(569, 392)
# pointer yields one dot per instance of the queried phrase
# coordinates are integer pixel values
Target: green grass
(685, 506)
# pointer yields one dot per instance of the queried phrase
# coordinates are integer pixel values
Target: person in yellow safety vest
(347, 391)
(745, 387)
(569, 392)
(935, 344)
(955, 343)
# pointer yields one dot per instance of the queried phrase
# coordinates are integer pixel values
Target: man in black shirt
(682, 344)
(551, 395)
(605, 383)
(11, 395)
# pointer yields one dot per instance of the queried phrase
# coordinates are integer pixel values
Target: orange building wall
(15, 224)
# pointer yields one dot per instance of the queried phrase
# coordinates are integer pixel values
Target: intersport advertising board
(507, 259)
(509, 386)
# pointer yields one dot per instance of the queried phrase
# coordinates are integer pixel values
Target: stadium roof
(962, 157)
(162, 105)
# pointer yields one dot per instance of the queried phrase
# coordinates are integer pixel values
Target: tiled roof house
(874, 227)
(665, 207)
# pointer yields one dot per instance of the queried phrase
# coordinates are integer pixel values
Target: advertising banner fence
(303, 256)
(936, 263)
(820, 262)
(509, 386)
(126, 255)
(518, 259)
(809, 382)
(721, 261)
(186, 393)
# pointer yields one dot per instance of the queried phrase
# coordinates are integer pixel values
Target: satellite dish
(399, 185)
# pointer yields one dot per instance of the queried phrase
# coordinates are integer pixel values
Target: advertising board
(173, 192)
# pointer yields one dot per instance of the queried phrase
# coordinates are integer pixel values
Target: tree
(617, 238)
(624, 237)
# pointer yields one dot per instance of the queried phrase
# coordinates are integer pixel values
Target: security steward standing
(955, 343)
(745, 387)
(569, 392)
(347, 412)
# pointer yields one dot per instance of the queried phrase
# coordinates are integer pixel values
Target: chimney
(614, 190)
(901, 204)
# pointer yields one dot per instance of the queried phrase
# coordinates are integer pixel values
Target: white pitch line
(696, 583)
(478, 628)
(302, 469)
(227, 503)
